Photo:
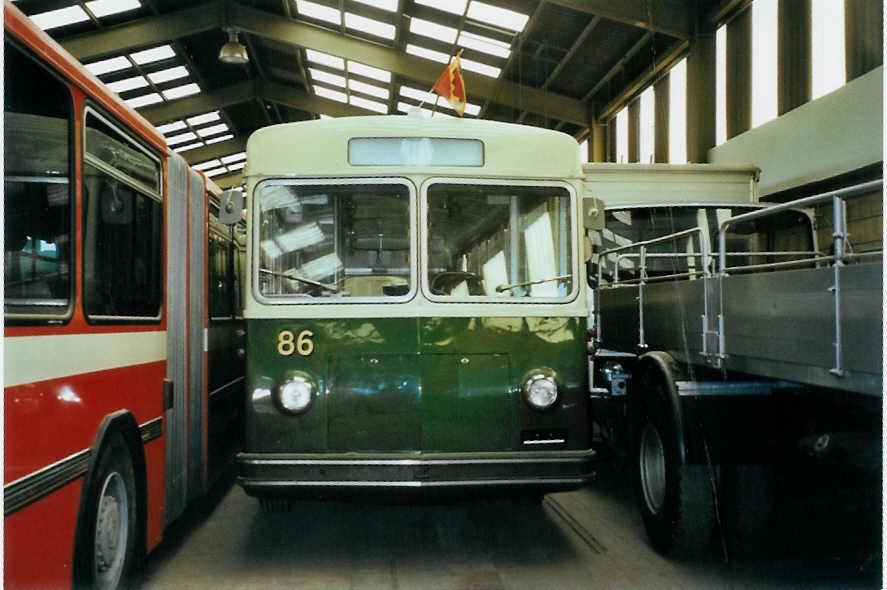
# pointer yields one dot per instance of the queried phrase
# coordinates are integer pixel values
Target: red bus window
(37, 190)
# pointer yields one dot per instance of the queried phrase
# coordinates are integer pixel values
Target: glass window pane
(499, 241)
(113, 148)
(122, 249)
(37, 199)
(334, 240)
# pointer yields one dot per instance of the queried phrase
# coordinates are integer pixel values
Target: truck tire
(675, 499)
(110, 519)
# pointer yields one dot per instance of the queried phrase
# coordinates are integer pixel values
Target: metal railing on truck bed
(792, 314)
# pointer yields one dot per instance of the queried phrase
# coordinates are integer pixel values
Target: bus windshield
(335, 240)
(502, 241)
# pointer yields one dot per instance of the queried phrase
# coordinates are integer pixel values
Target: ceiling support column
(701, 72)
(598, 144)
(863, 20)
(660, 120)
(739, 74)
(634, 130)
(794, 54)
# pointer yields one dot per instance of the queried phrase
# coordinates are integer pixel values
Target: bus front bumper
(263, 473)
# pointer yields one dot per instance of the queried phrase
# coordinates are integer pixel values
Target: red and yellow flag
(451, 86)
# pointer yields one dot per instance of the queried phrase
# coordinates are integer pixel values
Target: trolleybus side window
(38, 256)
(337, 241)
(122, 225)
(508, 242)
(220, 267)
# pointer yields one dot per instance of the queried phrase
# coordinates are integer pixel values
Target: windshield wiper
(502, 288)
(299, 279)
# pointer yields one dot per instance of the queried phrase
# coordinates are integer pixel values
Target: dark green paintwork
(417, 384)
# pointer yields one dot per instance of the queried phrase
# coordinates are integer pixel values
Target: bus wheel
(675, 499)
(111, 517)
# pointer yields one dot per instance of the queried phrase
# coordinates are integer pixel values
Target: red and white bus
(122, 329)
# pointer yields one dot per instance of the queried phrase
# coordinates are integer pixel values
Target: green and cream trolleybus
(415, 308)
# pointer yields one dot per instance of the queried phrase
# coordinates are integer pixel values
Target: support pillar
(794, 74)
(597, 146)
(660, 121)
(739, 74)
(634, 127)
(864, 36)
(611, 140)
(701, 95)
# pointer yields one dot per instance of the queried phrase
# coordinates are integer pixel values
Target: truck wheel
(111, 519)
(675, 499)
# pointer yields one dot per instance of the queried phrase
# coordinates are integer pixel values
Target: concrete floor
(590, 538)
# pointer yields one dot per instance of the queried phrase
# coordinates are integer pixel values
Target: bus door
(197, 250)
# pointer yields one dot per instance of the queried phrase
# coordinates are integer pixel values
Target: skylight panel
(414, 93)
(472, 109)
(369, 26)
(319, 11)
(322, 116)
(204, 118)
(105, 66)
(484, 44)
(389, 5)
(451, 6)
(369, 71)
(376, 91)
(428, 53)
(128, 84)
(234, 158)
(500, 17)
(181, 138)
(225, 137)
(330, 93)
(476, 66)
(180, 91)
(426, 28)
(216, 172)
(207, 165)
(371, 105)
(57, 18)
(168, 74)
(237, 166)
(321, 76)
(144, 100)
(185, 148)
(212, 130)
(170, 127)
(325, 59)
(405, 107)
(102, 8)
(154, 54)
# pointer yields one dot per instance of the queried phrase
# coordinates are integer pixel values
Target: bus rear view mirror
(230, 206)
(593, 213)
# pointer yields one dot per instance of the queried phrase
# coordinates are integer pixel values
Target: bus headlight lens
(294, 395)
(540, 391)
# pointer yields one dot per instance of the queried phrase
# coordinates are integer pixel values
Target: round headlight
(540, 391)
(294, 394)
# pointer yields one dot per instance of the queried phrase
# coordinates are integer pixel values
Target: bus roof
(625, 185)
(321, 148)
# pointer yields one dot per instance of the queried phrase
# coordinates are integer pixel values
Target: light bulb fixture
(233, 52)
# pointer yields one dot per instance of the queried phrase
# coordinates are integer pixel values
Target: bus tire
(111, 522)
(675, 499)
